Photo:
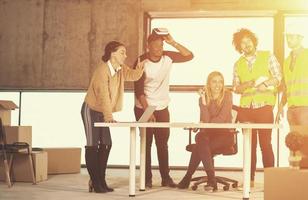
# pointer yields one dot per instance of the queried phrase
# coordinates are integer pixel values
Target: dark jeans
(259, 115)
(161, 136)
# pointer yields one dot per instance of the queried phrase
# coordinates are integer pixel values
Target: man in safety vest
(295, 74)
(295, 87)
(256, 77)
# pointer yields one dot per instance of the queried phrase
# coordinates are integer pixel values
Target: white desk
(247, 130)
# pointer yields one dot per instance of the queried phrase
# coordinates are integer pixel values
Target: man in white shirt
(153, 89)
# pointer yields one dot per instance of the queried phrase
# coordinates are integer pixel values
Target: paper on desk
(261, 79)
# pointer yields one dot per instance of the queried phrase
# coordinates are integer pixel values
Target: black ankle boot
(93, 169)
(184, 183)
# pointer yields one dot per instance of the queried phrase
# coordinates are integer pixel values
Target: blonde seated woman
(215, 107)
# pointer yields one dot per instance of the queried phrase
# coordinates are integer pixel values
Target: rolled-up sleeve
(236, 78)
(274, 68)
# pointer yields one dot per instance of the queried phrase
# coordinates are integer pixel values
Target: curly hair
(239, 35)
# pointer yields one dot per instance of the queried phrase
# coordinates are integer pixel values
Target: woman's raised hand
(201, 93)
(140, 65)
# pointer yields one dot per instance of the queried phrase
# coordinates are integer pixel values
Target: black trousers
(161, 136)
(259, 115)
(95, 135)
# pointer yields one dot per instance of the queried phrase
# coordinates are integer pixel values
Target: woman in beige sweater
(104, 96)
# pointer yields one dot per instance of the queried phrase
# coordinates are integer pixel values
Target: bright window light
(298, 20)
(210, 39)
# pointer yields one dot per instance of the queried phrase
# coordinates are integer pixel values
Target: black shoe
(148, 184)
(168, 183)
(184, 183)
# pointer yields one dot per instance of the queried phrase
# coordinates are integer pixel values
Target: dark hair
(240, 34)
(110, 48)
(152, 37)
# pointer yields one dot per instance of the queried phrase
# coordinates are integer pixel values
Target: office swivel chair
(228, 150)
(11, 150)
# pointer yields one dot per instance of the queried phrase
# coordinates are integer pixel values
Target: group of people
(257, 75)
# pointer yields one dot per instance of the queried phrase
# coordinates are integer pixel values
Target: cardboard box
(63, 160)
(21, 170)
(18, 134)
(5, 111)
(285, 184)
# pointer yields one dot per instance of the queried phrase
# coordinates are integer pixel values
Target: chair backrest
(229, 150)
(232, 149)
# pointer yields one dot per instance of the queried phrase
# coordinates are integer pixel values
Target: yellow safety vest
(260, 68)
(297, 80)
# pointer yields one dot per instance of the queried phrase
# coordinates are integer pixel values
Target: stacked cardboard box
(19, 134)
(6, 108)
(21, 165)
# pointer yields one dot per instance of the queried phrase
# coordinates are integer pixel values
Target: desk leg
(246, 162)
(132, 162)
(142, 158)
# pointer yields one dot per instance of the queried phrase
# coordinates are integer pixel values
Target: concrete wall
(21, 28)
(56, 44)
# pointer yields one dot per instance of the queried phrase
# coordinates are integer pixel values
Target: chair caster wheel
(226, 188)
(234, 185)
(194, 187)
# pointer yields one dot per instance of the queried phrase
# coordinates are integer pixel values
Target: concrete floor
(74, 186)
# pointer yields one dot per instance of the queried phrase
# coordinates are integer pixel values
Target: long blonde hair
(208, 92)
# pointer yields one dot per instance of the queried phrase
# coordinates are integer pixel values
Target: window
(300, 19)
(210, 39)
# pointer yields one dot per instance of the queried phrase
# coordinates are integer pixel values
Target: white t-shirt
(156, 83)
